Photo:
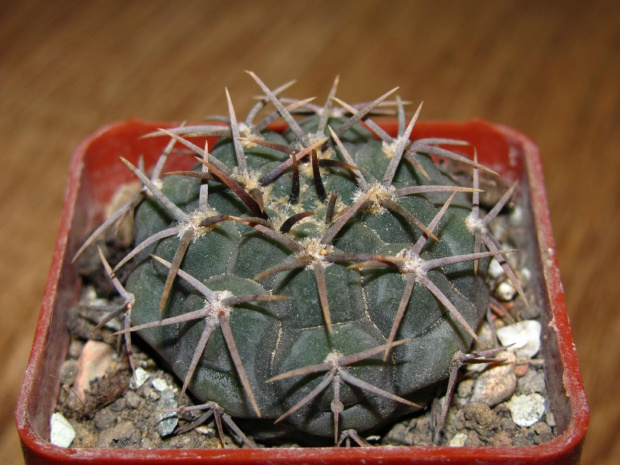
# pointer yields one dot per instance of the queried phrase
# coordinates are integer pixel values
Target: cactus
(323, 277)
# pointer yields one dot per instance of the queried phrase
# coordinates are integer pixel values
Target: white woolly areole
(413, 263)
(305, 170)
(195, 218)
(333, 357)
(157, 183)
(249, 179)
(315, 250)
(378, 192)
(245, 132)
(315, 137)
(389, 148)
(473, 224)
(217, 307)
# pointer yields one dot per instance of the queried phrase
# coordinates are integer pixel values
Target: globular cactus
(322, 277)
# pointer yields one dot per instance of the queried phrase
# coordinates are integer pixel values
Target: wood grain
(549, 69)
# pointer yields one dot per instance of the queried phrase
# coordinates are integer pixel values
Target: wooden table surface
(549, 69)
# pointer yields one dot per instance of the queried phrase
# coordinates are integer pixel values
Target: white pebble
(160, 385)
(205, 430)
(526, 410)
(166, 421)
(458, 440)
(516, 217)
(495, 269)
(62, 433)
(139, 378)
(505, 291)
(89, 297)
(526, 274)
(524, 335)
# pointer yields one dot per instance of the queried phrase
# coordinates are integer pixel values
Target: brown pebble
(497, 383)
(118, 405)
(521, 370)
(502, 438)
(543, 438)
(472, 439)
(104, 419)
(122, 435)
(93, 363)
(481, 418)
(541, 428)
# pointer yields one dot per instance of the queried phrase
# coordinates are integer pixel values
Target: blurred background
(547, 68)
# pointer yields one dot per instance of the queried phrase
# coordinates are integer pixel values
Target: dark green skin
(276, 337)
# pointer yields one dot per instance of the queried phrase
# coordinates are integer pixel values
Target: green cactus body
(319, 289)
(275, 337)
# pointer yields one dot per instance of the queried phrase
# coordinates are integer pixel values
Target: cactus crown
(322, 277)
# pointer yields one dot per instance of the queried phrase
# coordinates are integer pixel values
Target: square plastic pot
(95, 175)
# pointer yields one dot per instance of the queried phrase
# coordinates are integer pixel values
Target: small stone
(68, 372)
(459, 440)
(485, 338)
(526, 410)
(146, 443)
(516, 216)
(160, 385)
(149, 393)
(495, 269)
(497, 383)
(123, 435)
(400, 434)
(502, 410)
(85, 437)
(132, 400)
(75, 348)
(473, 440)
(524, 335)
(500, 229)
(526, 274)
(505, 291)
(89, 297)
(532, 381)
(455, 421)
(139, 378)
(205, 431)
(541, 428)
(465, 388)
(521, 440)
(502, 439)
(104, 419)
(61, 432)
(521, 370)
(166, 421)
(94, 360)
(481, 418)
(507, 425)
(542, 438)
(118, 405)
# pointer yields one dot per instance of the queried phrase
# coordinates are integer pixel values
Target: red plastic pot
(95, 175)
